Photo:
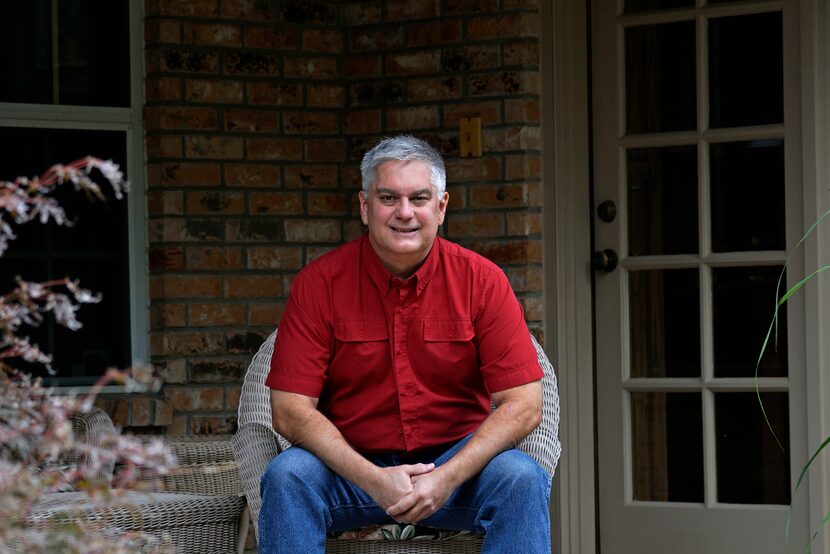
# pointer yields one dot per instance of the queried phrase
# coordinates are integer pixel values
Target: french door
(696, 148)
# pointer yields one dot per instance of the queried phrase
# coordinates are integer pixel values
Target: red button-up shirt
(402, 365)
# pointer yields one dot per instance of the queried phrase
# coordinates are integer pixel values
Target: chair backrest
(255, 399)
(542, 444)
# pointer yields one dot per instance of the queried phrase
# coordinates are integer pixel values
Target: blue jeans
(303, 500)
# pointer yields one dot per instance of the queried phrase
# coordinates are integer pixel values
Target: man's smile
(404, 229)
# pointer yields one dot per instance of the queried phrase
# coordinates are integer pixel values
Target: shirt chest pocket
(449, 341)
(361, 344)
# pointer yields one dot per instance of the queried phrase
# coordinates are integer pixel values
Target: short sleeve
(303, 348)
(506, 353)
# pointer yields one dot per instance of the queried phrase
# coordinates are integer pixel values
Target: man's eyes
(419, 200)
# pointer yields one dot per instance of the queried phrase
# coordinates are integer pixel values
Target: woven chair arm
(254, 446)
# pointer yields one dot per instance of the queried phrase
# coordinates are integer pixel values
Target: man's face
(403, 212)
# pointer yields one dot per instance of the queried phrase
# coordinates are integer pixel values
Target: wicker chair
(196, 509)
(256, 443)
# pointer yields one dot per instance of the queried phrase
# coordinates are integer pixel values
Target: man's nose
(404, 209)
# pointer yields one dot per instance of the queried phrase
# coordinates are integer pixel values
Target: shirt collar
(382, 277)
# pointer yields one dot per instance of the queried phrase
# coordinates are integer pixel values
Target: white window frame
(130, 121)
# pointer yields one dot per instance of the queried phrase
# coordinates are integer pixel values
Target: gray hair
(403, 148)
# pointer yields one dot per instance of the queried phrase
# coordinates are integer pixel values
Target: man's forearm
(296, 417)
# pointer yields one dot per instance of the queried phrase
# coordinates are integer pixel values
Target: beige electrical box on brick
(469, 139)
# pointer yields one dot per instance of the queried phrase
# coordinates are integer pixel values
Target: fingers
(418, 469)
(403, 505)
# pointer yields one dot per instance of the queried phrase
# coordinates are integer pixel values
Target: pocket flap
(360, 330)
(460, 330)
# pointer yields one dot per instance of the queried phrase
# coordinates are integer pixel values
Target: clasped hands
(411, 493)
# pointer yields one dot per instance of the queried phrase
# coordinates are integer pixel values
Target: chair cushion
(403, 532)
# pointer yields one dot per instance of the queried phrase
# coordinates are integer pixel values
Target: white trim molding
(568, 316)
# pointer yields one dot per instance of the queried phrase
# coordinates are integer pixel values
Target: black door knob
(607, 211)
(605, 260)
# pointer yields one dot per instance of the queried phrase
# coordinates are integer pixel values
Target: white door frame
(567, 248)
(567, 221)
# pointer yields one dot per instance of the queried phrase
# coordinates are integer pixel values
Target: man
(389, 352)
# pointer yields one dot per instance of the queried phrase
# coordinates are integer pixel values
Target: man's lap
(349, 507)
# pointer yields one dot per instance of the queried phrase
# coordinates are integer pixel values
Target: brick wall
(257, 114)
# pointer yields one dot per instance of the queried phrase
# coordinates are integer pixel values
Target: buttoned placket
(403, 312)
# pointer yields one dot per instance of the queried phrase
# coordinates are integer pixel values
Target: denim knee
(292, 466)
(521, 474)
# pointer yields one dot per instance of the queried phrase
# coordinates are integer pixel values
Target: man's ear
(442, 207)
(363, 207)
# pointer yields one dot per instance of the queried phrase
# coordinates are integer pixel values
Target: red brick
(441, 88)
(162, 31)
(510, 25)
(271, 257)
(325, 96)
(525, 53)
(322, 40)
(163, 88)
(502, 83)
(181, 60)
(202, 258)
(275, 94)
(213, 91)
(172, 371)
(252, 175)
(140, 412)
(361, 122)
(232, 396)
(179, 118)
(276, 203)
(275, 149)
(162, 412)
(251, 121)
(476, 225)
(325, 150)
(489, 112)
(169, 146)
(188, 8)
(265, 314)
(534, 307)
(327, 203)
(413, 63)
(253, 286)
(211, 315)
(185, 399)
(353, 229)
(407, 10)
(165, 203)
(434, 32)
(526, 279)
(374, 40)
(523, 167)
(458, 198)
(362, 13)
(283, 38)
(214, 425)
(211, 34)
(310, 123)
(312, 230)
(465, 58)
(510, 252)
(498, 196)
(167, 315)
(252, 63)
(184, 174)
(213, 147)
(314, 252)
(303, 67)
(179, 426)
(185, 286)
(311, 176)
(522, 110)
(521, 4)
(215, 202)
(185, 230)
(523, 137)
(253, 229)
(166, 259)
(473, 169)
(524, 223)
(416, 117)
(457, 7)
(361, 67)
